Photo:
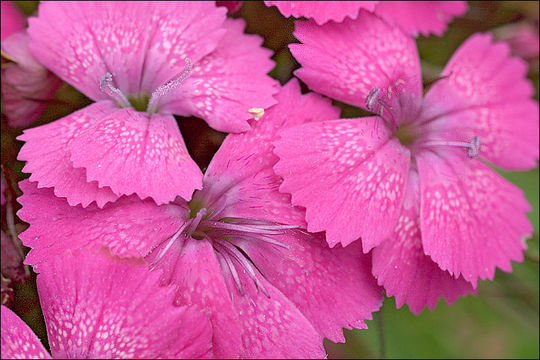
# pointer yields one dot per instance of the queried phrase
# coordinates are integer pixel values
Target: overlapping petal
(18, 340)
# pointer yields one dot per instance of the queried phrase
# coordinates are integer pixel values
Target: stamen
(164, 89)
(261, 237)
(257, 229)
(231, 267)
(105, 85)
(376, 105)
(473, 145)
(195, 222)
(169, 244)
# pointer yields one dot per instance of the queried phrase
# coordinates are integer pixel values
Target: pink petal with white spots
(46, 152)
(26, 85)
(132, 153)
(18, 340)
(401, 266)
(96, 306)
(424, 17)
(309, 274)
(242, 168)
(193, 268)
(82, 41)
(487, 95)
(12, 20)
(322, 11)
(272, 327)
(129, 226)
(225, 84)
(345, 173)
(346, 61)
(472, 219)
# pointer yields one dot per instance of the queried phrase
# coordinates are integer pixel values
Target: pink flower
(12, 20)
(189, 60)
(522, 38)
(235, 250)
(413, 17)
(98, 307)
(412, 182)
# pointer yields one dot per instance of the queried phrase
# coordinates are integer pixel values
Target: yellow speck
(258, 112)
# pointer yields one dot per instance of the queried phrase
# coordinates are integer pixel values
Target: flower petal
(401, 266)
(423, 17)
(228, 82)
(345, 173)
(129, 227)
(46, 152)
(98, 307)
(333, 288)
(346, 61)
(322, 11)
(18, 340)
(12, 19)
(131, 153)
(82, 41)
(487, 94)
(472, 219)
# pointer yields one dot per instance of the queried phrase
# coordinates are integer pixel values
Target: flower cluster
(301, 220)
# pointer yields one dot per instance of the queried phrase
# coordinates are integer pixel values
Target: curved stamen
(268, 229)
(375, 104)
(164, 89)
(227, 259)
(169, 244)
(473, 145)
(105, 85)
(194, 223)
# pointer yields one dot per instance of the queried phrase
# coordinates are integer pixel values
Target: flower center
(143, 102)
(227, 236)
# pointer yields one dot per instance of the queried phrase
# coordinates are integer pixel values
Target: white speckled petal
(402, 267)
(423, 17)
(226, 83)
(81, 41)
(18, 340)
(130, 227)
(132, 153)
(322, 11)
(46, 152)
(333, 288)
(345, 61)
(348, 174)
(472, 219)
(242, 167)
(96, 306)
(487, 95)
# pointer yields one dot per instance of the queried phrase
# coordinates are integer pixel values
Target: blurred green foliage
(502, 321)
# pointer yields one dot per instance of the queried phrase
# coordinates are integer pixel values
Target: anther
(473, 145)
(375, 104)
(166, 88)
(105, 85)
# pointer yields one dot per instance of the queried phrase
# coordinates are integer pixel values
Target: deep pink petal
(232, 6)
(424, 17)
(401, 266)
(472, 219)
(346, 61)
(129, 226)
(98, 307)
(132, 153)
(322, 11)
(46, 152)
(26, 85)
(272, 326)
(228, 82)
(333, 288)
(487, 95)
(18, 340)
(81, 41)
(242, 168)
(345, 173)
(12, 19)
(194, 269)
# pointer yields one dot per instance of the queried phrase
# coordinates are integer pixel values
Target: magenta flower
(412, 182)
(236, 250)
(190, 60)
(98, 307)
(413, 17)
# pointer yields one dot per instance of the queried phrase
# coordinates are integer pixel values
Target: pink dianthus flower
(236, 250)
(98, 307)
(413, 183)
(189, 60)
(413, 17)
